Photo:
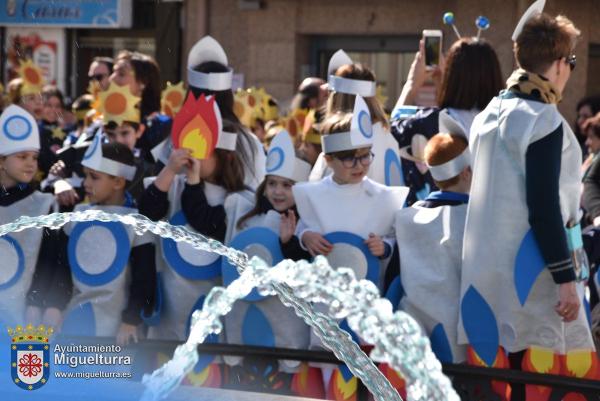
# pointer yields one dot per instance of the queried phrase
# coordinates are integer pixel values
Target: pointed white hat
(208, 49)
(347, 85)
(282, 160)
(359, 136)
(536, 8)
(94, 159)
(447, 124)
(18, 131)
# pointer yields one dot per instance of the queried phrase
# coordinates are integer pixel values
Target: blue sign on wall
(67, 13)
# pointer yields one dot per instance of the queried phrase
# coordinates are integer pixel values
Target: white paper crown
(347, 85)
(208, 49)
(359, 136)
(94, 159)
(536, 8)
(18, 131)
(282, 160)
(451, 168)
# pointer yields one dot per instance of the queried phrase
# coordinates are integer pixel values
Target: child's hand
(65, 194)
(376, 245)
(316, 244)
(192, 171)
(287, 226)
(178, 159)
(59, 169)
(126, 331)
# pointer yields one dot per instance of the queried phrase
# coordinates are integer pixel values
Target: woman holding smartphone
(470, 78)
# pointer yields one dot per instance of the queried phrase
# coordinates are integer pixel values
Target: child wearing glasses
(346, 216)
(347, 80)
(347, 200)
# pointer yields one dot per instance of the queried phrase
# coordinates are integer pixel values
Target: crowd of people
(476, 217)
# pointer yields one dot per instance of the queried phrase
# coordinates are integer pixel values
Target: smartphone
(433, 47)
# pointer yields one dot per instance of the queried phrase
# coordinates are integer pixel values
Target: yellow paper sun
(269, 109)
(172, 98)
(33, 79)
(294, 122)
(243, 107)
(118, 104)
(252, 104)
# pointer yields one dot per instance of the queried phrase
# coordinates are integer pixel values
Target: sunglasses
(572, 61)
(97, 77)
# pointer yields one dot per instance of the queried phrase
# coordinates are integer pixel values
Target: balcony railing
(471, 383)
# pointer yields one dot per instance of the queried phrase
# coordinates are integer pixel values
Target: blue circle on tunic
(393, 169)
(341, 237)
(364, 124)
(275, 159)
(119, 262)
(17, 136)
(91, 148)
(21, 263)
(255, 235)
(182, 266)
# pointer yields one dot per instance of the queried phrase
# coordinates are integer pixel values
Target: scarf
(533, 85)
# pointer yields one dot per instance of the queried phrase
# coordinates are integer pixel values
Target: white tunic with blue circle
(186, 274)
(259, 320)
(430, 245)
(98, 254)
(345, 215)
(508, 296)
(20, 252)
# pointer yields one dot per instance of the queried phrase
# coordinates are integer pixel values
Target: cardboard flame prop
(197, 126)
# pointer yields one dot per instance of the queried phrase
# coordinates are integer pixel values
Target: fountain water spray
(396, 337)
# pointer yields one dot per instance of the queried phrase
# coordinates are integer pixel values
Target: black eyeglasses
(572, 61)
(97, 77)
(350, 161)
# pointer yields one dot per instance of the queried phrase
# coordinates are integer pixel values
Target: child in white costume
(265, 227)
(28, 256)
(521, 295)
(196, 198)
(112, 274)
(346, 81)
(430, 235)
(347, 216)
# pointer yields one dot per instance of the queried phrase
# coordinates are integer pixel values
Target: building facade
(276, 43)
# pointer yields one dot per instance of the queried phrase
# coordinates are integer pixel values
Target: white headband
(352, 86)
(95, 160)
(360, 134)
(451, 168)
(340, 141)
(215, 81)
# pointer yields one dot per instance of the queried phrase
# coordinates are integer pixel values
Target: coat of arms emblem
(30, 356)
